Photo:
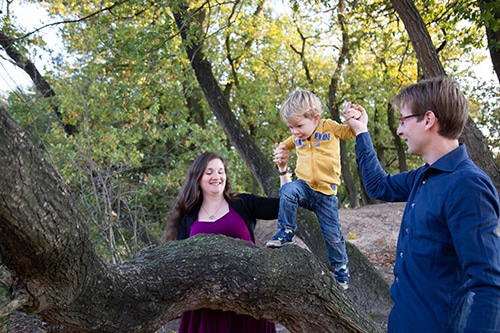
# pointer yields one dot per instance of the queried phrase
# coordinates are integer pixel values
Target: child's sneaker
(341, 274)
(343, 285)
(281, 237)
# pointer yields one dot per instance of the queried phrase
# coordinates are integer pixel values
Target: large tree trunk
(44, 242)
(427, 56)
(420, 38)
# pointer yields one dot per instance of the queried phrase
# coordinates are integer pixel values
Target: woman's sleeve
(264, 208)
(183, 229)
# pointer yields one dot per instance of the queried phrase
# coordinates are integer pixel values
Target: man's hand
(356, 116)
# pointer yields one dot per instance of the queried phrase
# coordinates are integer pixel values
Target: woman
(207, 204)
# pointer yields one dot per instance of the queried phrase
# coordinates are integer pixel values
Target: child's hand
(356, 116)
(281, 156)
(352, 111)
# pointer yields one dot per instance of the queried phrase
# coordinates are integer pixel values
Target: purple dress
(218, 321)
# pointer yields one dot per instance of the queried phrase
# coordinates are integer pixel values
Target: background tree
(490, 17)
(477, 146)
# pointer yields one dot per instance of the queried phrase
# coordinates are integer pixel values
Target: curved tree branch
(21, 299)
(44, 242)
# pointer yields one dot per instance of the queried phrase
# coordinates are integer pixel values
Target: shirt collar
(450, 161)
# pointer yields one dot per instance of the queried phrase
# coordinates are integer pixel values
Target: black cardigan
(249, 206)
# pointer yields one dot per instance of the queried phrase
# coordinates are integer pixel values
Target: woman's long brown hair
(190, 194)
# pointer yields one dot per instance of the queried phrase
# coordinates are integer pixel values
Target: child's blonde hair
(300, 103)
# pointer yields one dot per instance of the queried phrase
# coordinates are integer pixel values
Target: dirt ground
(374, 230)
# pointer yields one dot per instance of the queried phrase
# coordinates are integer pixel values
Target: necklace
(212, 216)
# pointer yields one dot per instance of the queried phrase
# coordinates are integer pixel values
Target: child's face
(303, 127)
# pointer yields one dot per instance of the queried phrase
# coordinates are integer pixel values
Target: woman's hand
(281, 156)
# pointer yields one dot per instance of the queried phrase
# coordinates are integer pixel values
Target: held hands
(355, 115)
(281, 156)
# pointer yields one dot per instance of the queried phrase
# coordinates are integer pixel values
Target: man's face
(411, 129)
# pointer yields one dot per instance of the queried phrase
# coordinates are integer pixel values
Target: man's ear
(430, 119)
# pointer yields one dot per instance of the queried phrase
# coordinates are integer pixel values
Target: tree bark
(398, 143)
(44, 242)
(427, 56)
(420, 38)
(377, 145)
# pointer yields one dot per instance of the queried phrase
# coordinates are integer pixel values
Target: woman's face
(213, 180)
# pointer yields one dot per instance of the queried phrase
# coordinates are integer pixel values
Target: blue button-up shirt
(447, 270)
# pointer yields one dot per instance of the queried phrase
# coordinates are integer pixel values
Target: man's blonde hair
(300, 103)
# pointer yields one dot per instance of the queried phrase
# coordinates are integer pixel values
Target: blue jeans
(298, 193)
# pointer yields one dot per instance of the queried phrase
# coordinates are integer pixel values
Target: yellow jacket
(318, 158)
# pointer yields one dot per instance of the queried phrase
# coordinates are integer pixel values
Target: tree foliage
(140, 116)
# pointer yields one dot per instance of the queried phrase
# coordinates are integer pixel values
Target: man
(447, 271)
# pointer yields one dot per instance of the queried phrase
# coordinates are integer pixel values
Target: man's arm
(377, 183)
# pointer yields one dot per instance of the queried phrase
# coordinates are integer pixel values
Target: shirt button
(401, 254)
(407, 230)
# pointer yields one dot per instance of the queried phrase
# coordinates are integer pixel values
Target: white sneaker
(344, 285)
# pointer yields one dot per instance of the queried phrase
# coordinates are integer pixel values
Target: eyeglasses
(403, 118)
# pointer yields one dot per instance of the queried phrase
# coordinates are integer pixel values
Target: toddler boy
(317, 144)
